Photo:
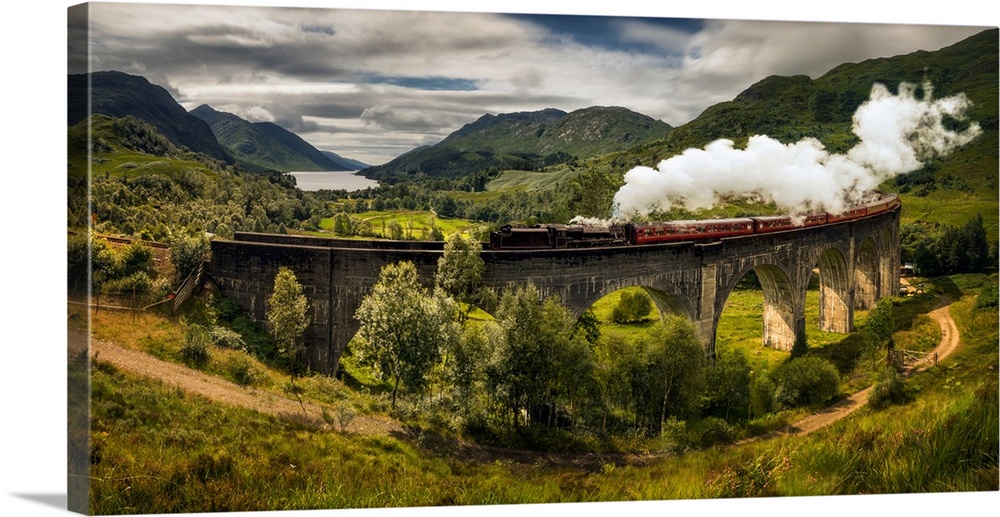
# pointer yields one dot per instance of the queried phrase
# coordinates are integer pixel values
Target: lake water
(333, 180)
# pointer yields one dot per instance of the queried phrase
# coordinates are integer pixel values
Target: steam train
(562, 236)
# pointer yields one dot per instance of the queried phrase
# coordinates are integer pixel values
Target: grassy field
(122, 161)
(511, 180)
(416, 224)
(954, 208)
(155, 449)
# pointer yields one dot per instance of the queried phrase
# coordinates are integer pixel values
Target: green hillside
(531, 180)
(788, 109)
(119, 95)
(123, 146)
(141, 184)
(525, 141)
(260, 146)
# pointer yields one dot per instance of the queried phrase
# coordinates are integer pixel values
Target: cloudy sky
(372, 84)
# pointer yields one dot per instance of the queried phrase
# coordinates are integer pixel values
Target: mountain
(347, 163)
(524, 140)
(119, 95)
(260, 146)
(948, 190)
(789, 108)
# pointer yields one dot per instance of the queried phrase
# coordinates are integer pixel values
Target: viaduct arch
(858, 262)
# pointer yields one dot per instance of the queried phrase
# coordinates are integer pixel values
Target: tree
(460, 268)
(401, 327)
(518, 367)
(951, 250)
(342, 224)
(801, 345)
(877, 328)
(466, 359)
(728, 386)
(590, 326)
(187, 252)
(761, 395)
(676, 361)
(632, 308)
(287, 316)
(594, 190)
(568, 364)
(976, 256)
(395, 230)
(618, 364)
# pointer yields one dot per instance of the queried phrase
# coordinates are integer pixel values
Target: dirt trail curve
(949, 341)
(225, 392)
(220, 390)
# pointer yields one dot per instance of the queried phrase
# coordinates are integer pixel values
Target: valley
(450, 391)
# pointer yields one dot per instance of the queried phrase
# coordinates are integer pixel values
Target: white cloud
(296, 63)
(668, 40)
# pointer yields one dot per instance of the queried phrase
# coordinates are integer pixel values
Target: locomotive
(563, 236)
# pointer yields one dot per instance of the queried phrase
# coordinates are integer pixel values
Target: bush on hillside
(632, 308)
(805, 381)
(890, 388)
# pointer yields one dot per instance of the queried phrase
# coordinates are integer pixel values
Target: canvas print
(326, 258)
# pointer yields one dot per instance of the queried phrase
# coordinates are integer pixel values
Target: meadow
(155, 448)
(416, 224)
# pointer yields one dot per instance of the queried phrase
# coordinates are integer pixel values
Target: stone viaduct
(858, 263)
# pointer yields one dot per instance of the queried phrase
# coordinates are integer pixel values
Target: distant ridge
(262, 146)
(351, 165)
(525, 140)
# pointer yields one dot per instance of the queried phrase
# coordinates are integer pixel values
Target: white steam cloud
(897, 134)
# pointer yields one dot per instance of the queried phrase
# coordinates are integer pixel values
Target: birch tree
(287, 317)
(402, 325)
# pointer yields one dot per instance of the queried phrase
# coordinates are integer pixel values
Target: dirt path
(949, 337)
(225, 392)
(949, 341)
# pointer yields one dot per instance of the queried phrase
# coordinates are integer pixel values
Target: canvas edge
(78, 341)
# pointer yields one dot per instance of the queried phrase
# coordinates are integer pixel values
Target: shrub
(137, 258)
(748, 477)
(632, 308)
(988, 296)
(136, 284)
(805, 381)
(195, 349)
(890, 388)
(244, 372)
(761, 396)
(711, 431)
(78, 259)
(226, 338)
(674, 436)
(345, 414)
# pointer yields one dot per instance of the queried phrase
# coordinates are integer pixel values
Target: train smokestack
(897, 134)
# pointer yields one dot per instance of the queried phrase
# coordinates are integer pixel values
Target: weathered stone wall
(858, 263)
(245, 273)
